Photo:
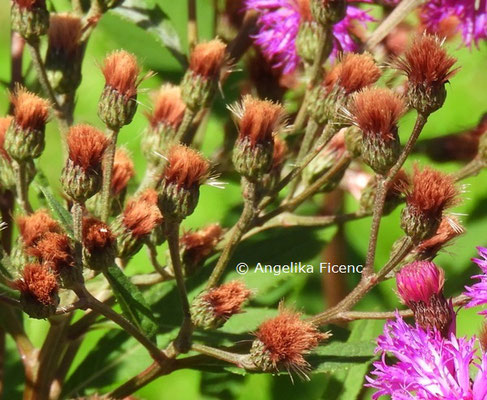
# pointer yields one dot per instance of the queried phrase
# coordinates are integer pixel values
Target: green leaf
(150, 17)
(347, 384)
(63, 215)
(133, 303)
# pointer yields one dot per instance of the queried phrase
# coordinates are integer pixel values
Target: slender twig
(44, 81)
(192, 24)
(186, 125)
(22, 187)
(108, 160)
(151, 373)
(238, 230)
(101, 308)
(240, 360)
(182, 342)
(400, 12)
(163, 271)
(348, 316)
(383, 187)
(471, 169)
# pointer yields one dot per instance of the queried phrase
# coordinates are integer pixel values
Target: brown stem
(238, 230)
(183, 340)
(401, 11)
(22, 187)
(17, 44)
(192, 25)
(108, 160)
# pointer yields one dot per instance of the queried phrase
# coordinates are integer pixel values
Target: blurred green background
(107, 358)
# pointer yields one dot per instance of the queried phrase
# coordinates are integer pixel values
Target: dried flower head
(198, 245)
(86, 146)
(150, 196)
(208, 58)
(432, 192)
(54, 250)
(449, 229)
(123, 171)
(227, 299)
(141, 217)
(376, 111)
(186, 167)
(30, 111)
(4, 124)
(258, 120)
(121, 73)
(212, 308)
(169, 107)
(353, 73)
(427, 63)
(34, 226)
(38, 283)
(64, 33)
(282, 341)
(97, 236)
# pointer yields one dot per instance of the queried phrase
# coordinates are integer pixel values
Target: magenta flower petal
(478, 291)
(279, 25)
(428, 367)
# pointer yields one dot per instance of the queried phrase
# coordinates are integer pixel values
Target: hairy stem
(22, 187)
(400, 12)
(238, 230)
(108, 160)
(101, 308)
(182, 342)
(185, 126)
(192, 24)
(240, 360)
(44, 81)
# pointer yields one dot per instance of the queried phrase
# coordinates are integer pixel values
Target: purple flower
(478, 291)
(471, 16)
(279, 25)
(428, 367)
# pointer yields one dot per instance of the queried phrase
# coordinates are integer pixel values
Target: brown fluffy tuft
(227, 299)
(123, 171)
(150, 196)
(449, 229)
(353, 73)
(432, 192)
(64, 33)
(200, 244)
(121, 72)
(141, 217)
(169, 107)
(186, 167)
(54, 250)
(4, 124)
(287, 338)
(37, 281)
(208, 58)
(30, 111)
(33, 227)
(376, 111)
(258, 120)
(86, 146)
(97, 236)
(427, 63)
(280, 150)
